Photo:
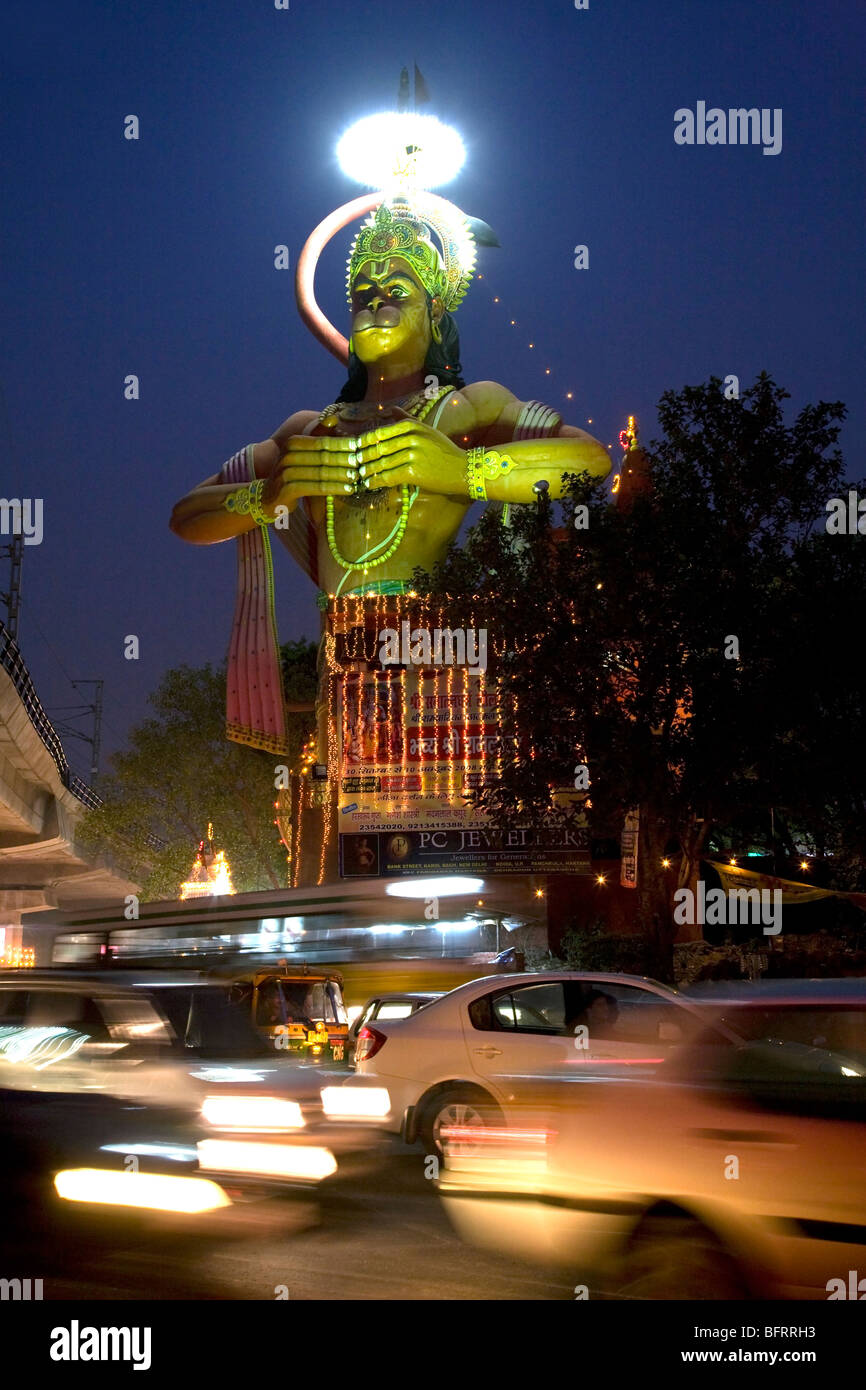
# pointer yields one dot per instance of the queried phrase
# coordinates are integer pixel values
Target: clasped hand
(405, 452)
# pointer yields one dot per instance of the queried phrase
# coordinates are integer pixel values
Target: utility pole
(12, 599)
(95, 710)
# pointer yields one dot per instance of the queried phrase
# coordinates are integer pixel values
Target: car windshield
(833, 1029)
(209, 1024)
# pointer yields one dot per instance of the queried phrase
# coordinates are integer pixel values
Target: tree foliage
(178, 771)
(694, 648)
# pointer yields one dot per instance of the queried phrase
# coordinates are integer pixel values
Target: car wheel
(679, 1259)
(461, 1106)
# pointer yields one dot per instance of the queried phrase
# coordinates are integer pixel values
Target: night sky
(156, 256)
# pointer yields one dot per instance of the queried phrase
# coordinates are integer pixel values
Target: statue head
(401, 286)
(394, 317)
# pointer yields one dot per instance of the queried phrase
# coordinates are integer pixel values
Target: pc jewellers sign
(556, 849)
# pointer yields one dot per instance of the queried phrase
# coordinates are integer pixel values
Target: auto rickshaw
(298, 1008)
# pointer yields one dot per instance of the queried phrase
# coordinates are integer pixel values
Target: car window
(789, 1079)
(627, 1014)
(13, 1005)
(65, 1009)
(208, 1024)
(831, 1029)
(135, 1020)
(395, 1010)
(533, 1009)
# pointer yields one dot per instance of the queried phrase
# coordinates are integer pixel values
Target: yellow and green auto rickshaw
(299, 1008)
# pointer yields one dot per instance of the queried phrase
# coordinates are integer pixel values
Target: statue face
(389, 315)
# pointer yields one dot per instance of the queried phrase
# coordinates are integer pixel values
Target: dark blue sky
(155, 257)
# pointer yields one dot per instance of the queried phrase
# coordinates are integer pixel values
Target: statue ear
(437, 309)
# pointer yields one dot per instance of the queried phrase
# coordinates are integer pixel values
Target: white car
(738, 1170)
(465, 1058)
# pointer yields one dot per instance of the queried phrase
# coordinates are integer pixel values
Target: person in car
(598, 1015)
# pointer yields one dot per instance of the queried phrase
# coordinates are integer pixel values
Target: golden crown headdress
(403, 229)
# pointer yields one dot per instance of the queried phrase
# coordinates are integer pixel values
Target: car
(176, 1039)
(385, 1007)
(737, 1170)
(460, 1059)
(76, 1165)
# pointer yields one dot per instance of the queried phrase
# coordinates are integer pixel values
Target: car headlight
(355, 1102)
(153, 1191)
(252, 1113)
(285, 1160)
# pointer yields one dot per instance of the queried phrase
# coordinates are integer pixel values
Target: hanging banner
(628, 849)
(792, 892)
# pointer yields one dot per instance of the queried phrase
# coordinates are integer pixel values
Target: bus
(395, 934)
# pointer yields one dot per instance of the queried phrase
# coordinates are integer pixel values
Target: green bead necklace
(394, 539)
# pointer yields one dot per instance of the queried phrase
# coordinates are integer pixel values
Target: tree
(668, 643)
(179, 771)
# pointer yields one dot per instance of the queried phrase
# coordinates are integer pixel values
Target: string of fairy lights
(548, 372)
(438, 727)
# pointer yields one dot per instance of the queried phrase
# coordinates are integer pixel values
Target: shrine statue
(377, 484)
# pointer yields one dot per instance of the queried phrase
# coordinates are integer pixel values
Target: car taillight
(370, 1041)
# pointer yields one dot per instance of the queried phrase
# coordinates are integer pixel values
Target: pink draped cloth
(255, 704)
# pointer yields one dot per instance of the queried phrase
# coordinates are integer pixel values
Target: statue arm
(568, 450)
(201, 517)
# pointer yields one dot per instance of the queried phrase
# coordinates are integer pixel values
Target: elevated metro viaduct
(41, 804)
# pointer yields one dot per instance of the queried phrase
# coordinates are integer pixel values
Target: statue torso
(360, 522)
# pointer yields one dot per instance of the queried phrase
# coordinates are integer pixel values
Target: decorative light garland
(297, 860)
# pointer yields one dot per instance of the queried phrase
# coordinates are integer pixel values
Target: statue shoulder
(298, 423)
(488, 400)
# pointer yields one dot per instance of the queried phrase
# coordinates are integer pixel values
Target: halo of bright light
(252, 1112)
(153, 1191)
(356, 1102)
(267, 1160)
(443, 887)
(374, 151)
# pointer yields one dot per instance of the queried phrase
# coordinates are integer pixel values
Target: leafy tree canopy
(178, 771)
(697, 648)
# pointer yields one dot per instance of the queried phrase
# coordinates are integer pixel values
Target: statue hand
(312, 466)
(412, 453)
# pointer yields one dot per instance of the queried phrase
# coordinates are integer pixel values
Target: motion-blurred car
(175, 1039)
(68, 1159)
(384, 1008)
(460, 1059)
(737, 1170)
